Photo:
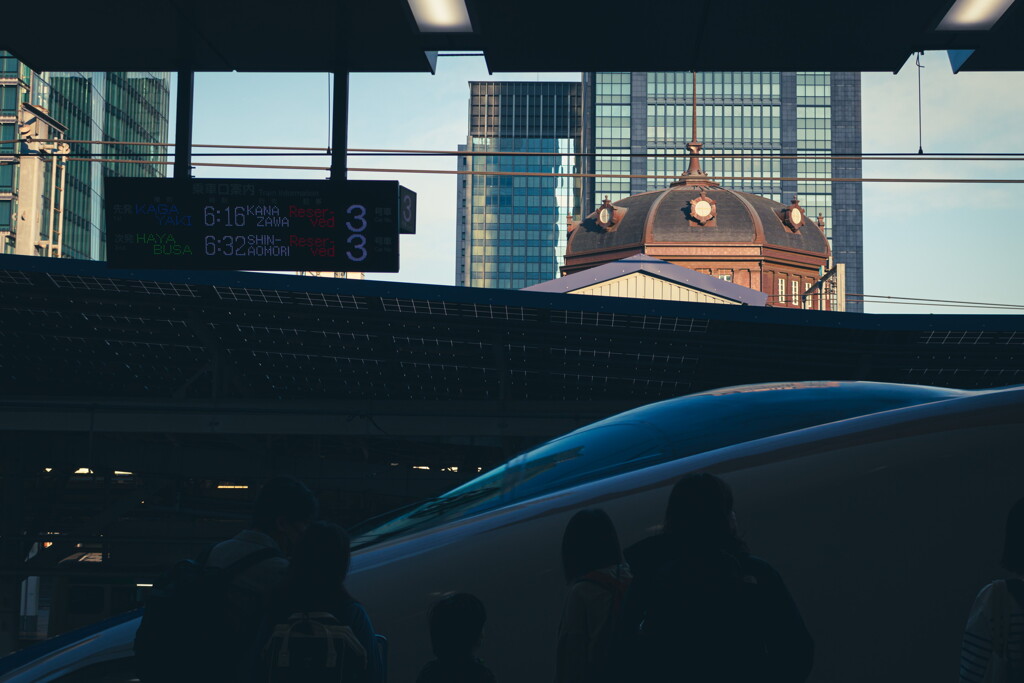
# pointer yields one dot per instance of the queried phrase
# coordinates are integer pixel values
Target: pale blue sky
(940, 240)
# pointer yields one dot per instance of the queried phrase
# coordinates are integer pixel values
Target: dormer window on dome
(606, 214)
(793, 215)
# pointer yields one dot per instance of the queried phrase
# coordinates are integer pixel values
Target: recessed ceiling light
(973, 15)
(441, 16)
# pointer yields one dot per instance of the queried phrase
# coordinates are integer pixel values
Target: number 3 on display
(406, 209)
(357, 212)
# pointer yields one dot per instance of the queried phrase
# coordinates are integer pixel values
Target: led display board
(301, 225)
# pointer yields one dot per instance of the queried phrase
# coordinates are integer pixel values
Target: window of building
(782, 291)
(795, 290)
(6, 209)
(6, 177)
(8, 134)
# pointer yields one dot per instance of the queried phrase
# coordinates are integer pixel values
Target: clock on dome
(606, 217)
(793, 215)
(703, 209)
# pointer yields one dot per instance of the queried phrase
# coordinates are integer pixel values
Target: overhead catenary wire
(359, 151)
(920, 109)
(920, 299)
(913, 301)
(564, 175)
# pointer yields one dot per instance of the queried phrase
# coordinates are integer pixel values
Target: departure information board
(314, 225)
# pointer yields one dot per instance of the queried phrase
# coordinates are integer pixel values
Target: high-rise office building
(50, 207)
(32, 167)
(752, 124)
(512, 228)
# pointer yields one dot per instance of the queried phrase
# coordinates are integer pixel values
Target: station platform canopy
(77, 330)
(528, 35)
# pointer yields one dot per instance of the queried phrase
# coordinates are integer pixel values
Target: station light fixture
(421, 467)
(973, 15)
(441, 16)
(232, 486)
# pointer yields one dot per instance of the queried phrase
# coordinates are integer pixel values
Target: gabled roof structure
(655, 268)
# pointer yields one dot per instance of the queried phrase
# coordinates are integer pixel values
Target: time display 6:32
(269, 216)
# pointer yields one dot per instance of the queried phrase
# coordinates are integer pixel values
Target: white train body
(884, 525)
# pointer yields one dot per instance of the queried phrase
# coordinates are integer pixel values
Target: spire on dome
(694, 174)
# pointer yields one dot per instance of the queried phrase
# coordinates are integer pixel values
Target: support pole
(183, 126)
(339, 128)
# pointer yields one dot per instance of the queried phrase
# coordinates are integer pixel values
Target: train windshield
(653, 434)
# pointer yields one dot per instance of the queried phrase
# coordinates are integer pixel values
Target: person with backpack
(701, 608)
(992, 650)
(202, 617)
(315, 631)
(456, 630)
(597, 579)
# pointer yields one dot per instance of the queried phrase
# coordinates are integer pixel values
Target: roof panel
(75, 329)
(650, 35)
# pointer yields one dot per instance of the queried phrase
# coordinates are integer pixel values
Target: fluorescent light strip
(441, 16)
(973, 15)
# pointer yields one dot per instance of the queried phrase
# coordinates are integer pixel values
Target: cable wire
(943, 301)
(920, 110)
(357, 151)
(749, 179)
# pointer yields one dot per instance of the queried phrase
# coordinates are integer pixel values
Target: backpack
(616, 585)
(196, 622)
(314, 647)
(704, 620)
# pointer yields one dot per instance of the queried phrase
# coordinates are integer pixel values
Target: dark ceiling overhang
(527, 35)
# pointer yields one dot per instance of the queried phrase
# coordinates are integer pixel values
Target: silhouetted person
(597, 578)
(316, 630)
(456, 629)
(284, 509)
(202, 619)
(993, 643)
(701, 608)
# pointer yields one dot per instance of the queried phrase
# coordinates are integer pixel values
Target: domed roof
(671, 216)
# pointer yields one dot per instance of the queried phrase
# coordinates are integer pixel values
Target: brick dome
(666, 217)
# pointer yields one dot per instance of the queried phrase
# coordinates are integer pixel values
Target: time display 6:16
(269, 217)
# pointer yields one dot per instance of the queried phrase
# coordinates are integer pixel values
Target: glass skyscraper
(102, 107)
(760, 124)
(512, 228)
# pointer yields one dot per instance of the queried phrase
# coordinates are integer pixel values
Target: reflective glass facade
(122, 106)
(512, 228)
(116, 106)
(638, 124)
